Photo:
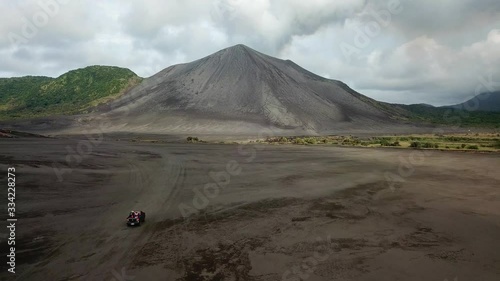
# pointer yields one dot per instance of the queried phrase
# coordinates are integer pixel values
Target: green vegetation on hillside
(79, 90)
(73, 92)
(452, 116)
(436, 115)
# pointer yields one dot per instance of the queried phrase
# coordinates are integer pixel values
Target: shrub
(272, 140)
(310, 140)
(497, 144)
(415, 144)
(384, 142)
(428, 145)
(472, 147)
(192, 139)
(387, 143)
(299, 141)
(463, 145)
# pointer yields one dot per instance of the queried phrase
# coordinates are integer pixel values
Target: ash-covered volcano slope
(240, 91)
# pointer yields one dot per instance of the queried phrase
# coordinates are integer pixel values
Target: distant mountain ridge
(236, 90)
(482, 110)
(489, 101)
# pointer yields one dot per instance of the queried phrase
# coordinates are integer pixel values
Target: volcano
(241, 91)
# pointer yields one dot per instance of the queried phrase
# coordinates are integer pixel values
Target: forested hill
(73, 92)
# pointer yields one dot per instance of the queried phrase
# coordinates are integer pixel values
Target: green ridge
(73, 92)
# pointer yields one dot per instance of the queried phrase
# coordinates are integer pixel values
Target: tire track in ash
(152, 184)
(167, 185)
(158, 189)
(67, 247)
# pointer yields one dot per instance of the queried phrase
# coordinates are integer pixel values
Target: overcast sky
(423, 51)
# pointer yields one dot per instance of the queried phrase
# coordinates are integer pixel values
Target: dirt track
(316, 213)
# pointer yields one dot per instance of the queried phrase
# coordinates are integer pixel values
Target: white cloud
(412, 58)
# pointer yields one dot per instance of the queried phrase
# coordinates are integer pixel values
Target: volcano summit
(239, 91)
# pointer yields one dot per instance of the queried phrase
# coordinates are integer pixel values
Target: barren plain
(251, 212)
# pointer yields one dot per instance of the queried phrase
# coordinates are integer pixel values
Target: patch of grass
(430, 145)
(484, 142)
(384, 142)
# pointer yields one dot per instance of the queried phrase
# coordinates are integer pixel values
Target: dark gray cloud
(397, 51)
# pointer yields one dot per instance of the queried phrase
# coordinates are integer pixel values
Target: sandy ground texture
(263, 212)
